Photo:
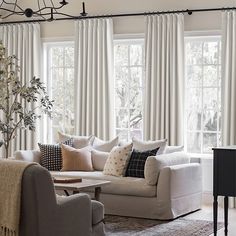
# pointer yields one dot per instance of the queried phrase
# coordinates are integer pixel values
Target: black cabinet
(224, 180)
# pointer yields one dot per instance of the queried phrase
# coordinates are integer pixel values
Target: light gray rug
(127, 226)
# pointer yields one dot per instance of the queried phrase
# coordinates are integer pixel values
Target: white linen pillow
(105, 146)
(170, 149)
(117, 161)
(78, 141)
(143, 146)
(99, 159)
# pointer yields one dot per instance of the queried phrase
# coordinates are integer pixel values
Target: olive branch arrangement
(20, 103)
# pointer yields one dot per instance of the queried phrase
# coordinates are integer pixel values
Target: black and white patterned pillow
(137, 162)
(51, 157)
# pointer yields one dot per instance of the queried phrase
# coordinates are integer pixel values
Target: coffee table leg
(97, 193)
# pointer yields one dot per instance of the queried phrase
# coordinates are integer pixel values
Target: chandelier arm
(45, 8)
(41, 15)
(64, 14)
(53, 6)
(39, 5)
(14, 4)
(13, 13)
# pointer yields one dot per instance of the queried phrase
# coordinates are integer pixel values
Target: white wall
(196, 22)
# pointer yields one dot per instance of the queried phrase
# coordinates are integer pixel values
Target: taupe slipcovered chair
(45, 214)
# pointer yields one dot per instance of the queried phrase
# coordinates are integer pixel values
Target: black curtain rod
(189, 11)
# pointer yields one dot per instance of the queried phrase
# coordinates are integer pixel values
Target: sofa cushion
(76, 159)
(154, 164)
(51, 157)
(117, 161)
(78, 141)
(137, 163)
(105, 146)
(119, 185)
(99, 159)
(97, 212)
(142, 146)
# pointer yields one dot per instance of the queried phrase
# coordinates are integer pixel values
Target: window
(60, 80)
(129, 75)
(203, 88)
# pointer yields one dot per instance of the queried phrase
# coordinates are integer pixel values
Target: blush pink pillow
(76, 159)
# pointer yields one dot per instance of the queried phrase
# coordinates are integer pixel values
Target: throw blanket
(10, 195)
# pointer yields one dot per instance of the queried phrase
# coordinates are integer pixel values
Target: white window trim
(47, 44)
(188, 35)
(129, 39)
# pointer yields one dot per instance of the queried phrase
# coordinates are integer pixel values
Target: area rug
(127, 226)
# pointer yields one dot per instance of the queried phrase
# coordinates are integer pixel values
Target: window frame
(195, 36)
(47, 45)
(129, 39)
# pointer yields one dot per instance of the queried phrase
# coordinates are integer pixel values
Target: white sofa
(172, 187)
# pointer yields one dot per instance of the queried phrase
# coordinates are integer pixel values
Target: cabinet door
(224, 172)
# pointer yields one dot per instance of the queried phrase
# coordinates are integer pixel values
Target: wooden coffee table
(84, 185)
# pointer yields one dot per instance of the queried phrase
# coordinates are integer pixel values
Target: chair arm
(75, 215)
(28, 155)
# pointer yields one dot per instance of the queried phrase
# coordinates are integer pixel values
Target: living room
(132, 97)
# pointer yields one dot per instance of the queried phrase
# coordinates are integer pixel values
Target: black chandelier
(46, 11)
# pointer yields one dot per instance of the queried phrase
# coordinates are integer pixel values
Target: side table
(224, 180)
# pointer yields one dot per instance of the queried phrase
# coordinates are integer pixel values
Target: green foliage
(20, 104)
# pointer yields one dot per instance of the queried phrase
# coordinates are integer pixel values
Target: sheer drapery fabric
(23, 41)
(94, 78)
(164, 93)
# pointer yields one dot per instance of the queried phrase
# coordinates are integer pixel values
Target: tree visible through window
(60, 77)
(129, 74)
(203, 98)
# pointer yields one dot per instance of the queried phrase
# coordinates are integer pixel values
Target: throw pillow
(142, 146)
(105, 146)
(137, 162)
(170, 149)
(117, 161)
(51, 157)
(99, 159)
(76, 159)
(78, 141)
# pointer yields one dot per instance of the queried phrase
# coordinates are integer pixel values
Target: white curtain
(229, 77)
(94, 78)
(164, 94)
(229, 82)
(23, 40)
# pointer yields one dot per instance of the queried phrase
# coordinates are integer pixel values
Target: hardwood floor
(207, 214)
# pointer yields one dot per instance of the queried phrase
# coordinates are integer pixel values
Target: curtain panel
(94, 78)
(164, 93)
(229, 78)
(23, 41)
